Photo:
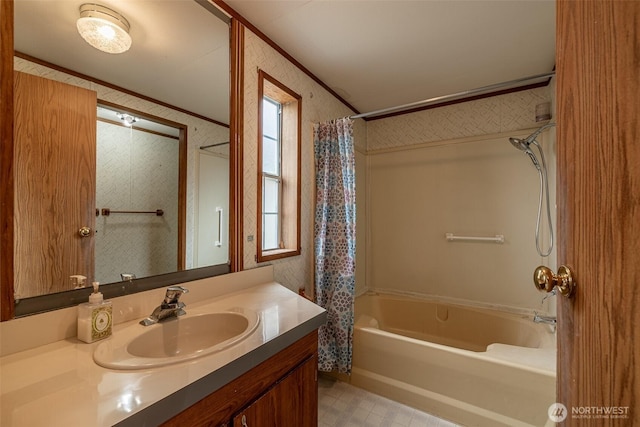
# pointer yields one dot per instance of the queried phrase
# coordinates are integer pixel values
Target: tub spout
(550, 320)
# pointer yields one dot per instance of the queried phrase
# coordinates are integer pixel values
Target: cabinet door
(291, 402)
(55, 181)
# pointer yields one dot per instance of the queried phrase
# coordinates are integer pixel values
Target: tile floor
(343, 405)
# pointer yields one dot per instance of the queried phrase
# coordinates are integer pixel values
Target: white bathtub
(473, 366)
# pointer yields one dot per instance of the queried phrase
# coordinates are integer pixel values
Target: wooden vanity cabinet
(288, 403)
(281, 391)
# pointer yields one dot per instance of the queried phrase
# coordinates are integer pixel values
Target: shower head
(523, 144)
(519, 143)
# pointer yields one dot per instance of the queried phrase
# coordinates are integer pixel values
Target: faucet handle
(548, 295)
(173, 294)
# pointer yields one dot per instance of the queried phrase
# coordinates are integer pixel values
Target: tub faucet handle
(549, 295)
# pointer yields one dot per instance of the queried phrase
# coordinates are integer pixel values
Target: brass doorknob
(546, 281)
(84, 232)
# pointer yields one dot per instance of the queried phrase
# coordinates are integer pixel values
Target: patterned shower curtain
(335, 241)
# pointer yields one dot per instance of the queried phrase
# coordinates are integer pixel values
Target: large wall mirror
(122, 162)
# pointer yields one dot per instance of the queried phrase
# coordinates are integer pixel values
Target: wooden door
(598, 104)
(55, 169)
(291, 402)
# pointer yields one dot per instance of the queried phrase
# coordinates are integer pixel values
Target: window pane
(270, 156)
(270, 231)
(271, 189)
(270, 119)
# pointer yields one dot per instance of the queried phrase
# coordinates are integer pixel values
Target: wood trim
(6, 162)
(236, 148)
(461, 100)
(114, 87)
(598, 206)
(262, 76)
(220, 406)
(265, 79)
(138, 113)
(152, 132)
(259, 177)
(277, 254)
(182, 199)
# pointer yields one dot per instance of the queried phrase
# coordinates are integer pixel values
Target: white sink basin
(175, 340)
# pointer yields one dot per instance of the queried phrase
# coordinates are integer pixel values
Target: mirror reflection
(153, 176)
(137, 197)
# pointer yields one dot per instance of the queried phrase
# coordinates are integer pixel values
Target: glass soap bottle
(94, 317)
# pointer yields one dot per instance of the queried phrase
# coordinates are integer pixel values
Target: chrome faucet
(170, 307)
(550, 320)
(127, 277)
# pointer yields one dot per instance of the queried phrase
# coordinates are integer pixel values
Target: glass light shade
(104, 28)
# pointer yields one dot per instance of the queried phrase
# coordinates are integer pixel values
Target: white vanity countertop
(59, 384)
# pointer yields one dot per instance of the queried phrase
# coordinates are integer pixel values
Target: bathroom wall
(453, 170)
(136, 170)
(200, 132)
(318, 105)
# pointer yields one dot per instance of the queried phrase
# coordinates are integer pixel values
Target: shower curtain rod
(204, 147)
(453, 96)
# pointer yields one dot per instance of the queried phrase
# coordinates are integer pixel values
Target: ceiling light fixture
(103, 28)
(127, 119)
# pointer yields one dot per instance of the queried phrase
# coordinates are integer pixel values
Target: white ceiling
(373, 53)
(378, 54)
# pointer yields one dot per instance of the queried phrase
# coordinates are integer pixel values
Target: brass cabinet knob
(84, 232)
(546, 281)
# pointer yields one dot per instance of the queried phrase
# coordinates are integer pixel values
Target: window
(278, 170)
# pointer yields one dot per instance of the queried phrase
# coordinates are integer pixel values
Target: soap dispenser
(94, 317)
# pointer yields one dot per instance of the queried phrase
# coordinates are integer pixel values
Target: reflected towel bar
(498, 238)
(107, 212)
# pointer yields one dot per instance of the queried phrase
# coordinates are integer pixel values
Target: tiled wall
(137, 171)
(200, 132)
(318, 105)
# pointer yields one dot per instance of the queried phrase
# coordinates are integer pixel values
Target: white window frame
(276, 177)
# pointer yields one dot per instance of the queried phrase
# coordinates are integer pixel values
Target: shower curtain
(335, 241)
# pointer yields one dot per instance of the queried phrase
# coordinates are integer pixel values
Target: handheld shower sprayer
(525, 145)
(522, 145)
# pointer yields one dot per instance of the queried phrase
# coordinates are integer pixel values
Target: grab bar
(218, 242)
(498, 238)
